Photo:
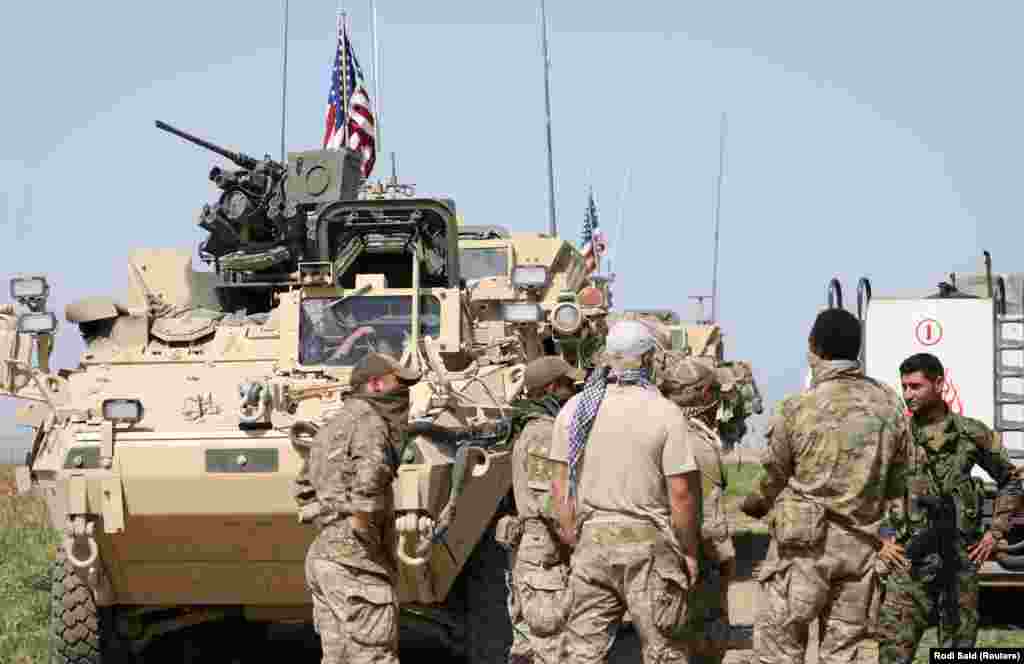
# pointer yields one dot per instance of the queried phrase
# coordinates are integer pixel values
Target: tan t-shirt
(639, 438)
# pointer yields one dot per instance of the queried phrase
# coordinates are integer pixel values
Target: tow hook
(78, 530)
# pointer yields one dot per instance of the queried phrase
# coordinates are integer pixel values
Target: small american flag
(349, 111)
(592, 238)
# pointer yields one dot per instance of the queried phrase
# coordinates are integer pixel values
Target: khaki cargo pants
(355, 612)
(620, 566)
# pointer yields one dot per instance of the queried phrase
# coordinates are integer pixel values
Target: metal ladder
(1007, 342)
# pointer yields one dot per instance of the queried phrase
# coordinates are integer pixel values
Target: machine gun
(258, 226)
(939, 541)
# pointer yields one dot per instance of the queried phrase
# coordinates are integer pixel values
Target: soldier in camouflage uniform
(539, 597)
(837, 452)
(351, 567)
(693, 387)
(627, 490)
(945, 447)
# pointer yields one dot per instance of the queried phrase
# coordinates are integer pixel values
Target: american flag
(592, 238)
(349, 111)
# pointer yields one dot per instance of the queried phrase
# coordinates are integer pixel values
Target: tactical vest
(944, 471)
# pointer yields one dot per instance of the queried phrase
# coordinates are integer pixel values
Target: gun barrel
(237, 157)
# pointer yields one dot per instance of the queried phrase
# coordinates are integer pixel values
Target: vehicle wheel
(488, 629)
(80, 632)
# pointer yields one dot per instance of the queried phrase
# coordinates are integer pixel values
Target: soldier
(694, 388)
(945, 447)
(351, 569)
(539, 598)
(627, 490)
(835, 454)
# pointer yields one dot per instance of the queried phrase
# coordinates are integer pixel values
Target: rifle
(939, 539)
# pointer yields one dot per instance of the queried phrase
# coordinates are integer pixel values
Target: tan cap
(545, 370)
(377, 364)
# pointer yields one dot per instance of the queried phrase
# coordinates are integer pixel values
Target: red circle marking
(928, 332)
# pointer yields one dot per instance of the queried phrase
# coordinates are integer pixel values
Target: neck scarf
(586, 411)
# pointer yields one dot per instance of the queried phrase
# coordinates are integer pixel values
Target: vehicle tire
(488, 629)
(80, 632)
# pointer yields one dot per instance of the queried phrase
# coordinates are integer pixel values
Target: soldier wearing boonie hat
(628, 492)
(539, 577)
(351, 570)
(693, 386)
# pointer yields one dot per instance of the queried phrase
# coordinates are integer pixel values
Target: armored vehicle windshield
(341, 332)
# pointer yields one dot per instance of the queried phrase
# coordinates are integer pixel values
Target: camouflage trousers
(539, 598)
(909, 607)
(833, 581)
(627, 566)
(355, 612)
(709, 603)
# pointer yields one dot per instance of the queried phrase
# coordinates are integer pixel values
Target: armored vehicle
(171, 457)
(977, 332)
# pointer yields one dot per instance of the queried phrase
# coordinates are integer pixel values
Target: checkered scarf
(586, 411)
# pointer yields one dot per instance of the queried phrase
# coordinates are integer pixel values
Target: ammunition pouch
(799, 523)
(508, 531)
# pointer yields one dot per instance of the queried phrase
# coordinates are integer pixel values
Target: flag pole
(376, 75)
(284, 73)
(718, 212)
(552, 226)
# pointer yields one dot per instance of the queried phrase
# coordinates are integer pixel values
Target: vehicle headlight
(530, 276)
(37, 323)
(521, 312)
(566, 318)
(23, 288)
(128, 411)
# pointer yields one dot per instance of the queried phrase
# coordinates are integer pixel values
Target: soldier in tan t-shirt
(628, 492)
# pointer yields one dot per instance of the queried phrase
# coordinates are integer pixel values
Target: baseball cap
(545, 370)
(376, 364)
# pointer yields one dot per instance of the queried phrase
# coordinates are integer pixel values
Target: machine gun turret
(258, 226)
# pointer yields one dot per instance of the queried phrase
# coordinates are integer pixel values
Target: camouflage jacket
(532, 472)
(352, 464)
(714, 527)
(940, 463)
(843, 444)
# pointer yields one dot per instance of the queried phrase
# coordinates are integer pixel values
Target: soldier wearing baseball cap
(538, 611)
(353, 461)
(627, 489)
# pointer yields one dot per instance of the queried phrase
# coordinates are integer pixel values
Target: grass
(740, 480)
(27, 546)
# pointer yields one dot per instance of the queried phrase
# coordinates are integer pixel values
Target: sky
(870, 139)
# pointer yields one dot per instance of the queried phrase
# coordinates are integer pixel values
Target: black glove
(754, 507)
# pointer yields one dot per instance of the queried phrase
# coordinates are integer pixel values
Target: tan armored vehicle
(168, 457)
(704, 340)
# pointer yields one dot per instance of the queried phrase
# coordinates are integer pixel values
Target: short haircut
(926, 363)
(836, 335)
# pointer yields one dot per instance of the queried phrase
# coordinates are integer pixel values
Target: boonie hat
(545, 370)
(684, 379)
(377, 364)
